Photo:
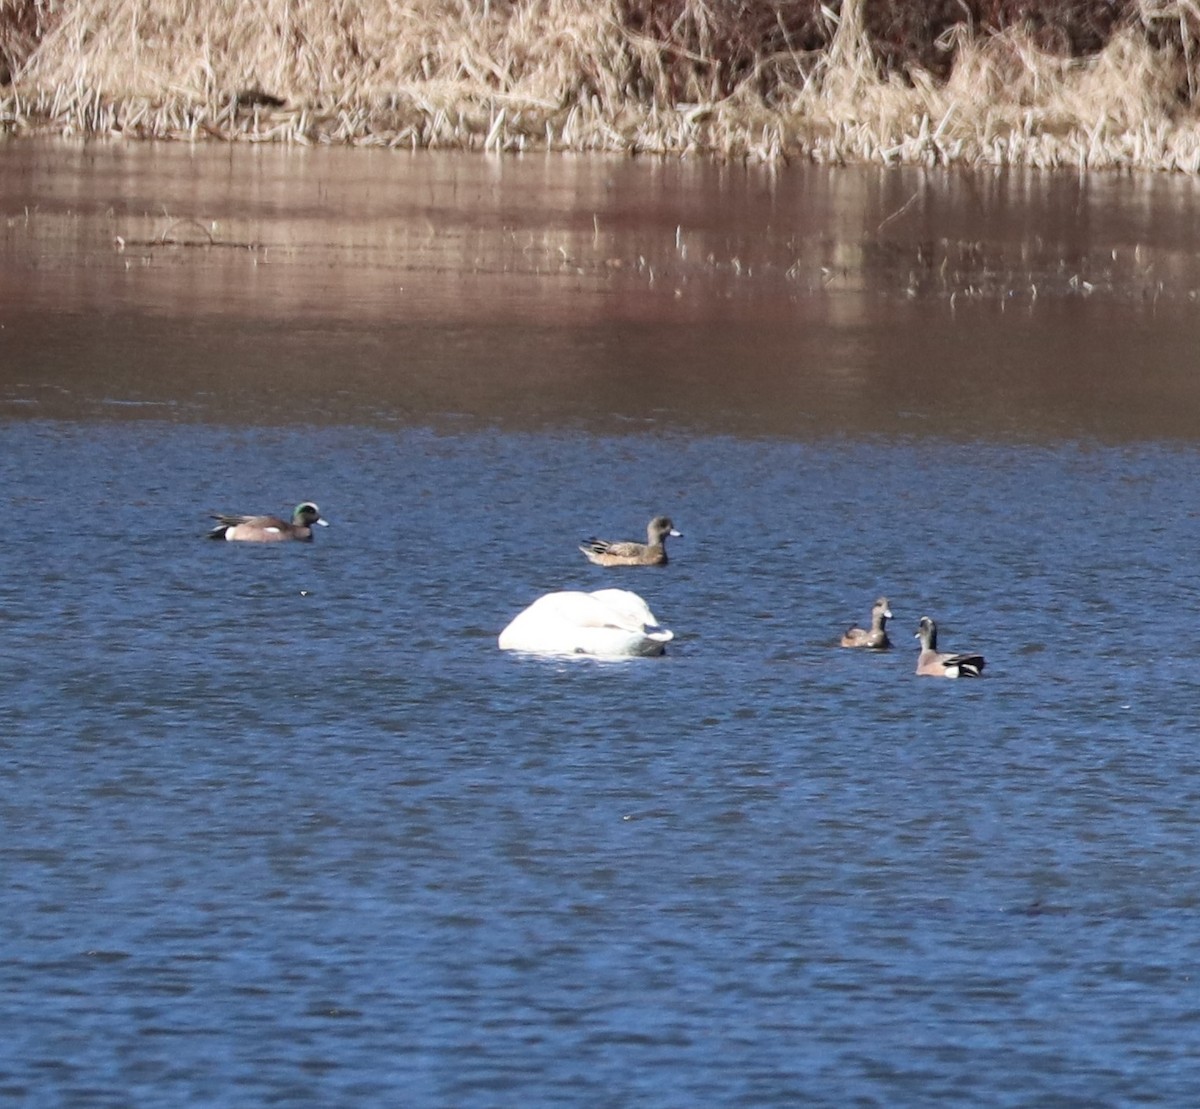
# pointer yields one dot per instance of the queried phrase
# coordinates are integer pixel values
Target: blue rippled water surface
(282, 825)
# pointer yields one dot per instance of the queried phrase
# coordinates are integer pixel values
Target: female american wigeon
(651, 553)
(270, 529)
(876, 638)
(933, 663)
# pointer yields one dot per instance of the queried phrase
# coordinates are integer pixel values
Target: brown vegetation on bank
(1091, 83)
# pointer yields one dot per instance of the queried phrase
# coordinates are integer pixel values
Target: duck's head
(662, 526)
(307, 514)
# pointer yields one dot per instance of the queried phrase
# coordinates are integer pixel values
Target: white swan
(612, 623)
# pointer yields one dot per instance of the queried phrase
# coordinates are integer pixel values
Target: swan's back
(613, 622)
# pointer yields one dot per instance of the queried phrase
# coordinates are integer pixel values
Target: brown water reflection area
(243, 284)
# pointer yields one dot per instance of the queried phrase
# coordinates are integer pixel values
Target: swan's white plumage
(613, 623)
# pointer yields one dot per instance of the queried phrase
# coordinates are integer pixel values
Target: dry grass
(1075, 82)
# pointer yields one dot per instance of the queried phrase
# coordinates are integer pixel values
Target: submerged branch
(167, 237)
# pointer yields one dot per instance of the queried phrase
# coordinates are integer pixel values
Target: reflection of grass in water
(1019, 274)
(1091, 84)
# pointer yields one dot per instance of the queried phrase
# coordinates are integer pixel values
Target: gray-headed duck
(876, 637)
(651, 553)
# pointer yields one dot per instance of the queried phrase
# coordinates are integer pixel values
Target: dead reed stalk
(860, 80)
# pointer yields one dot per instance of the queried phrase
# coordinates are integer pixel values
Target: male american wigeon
(932, 663)
(270, 529)
(651, 553)
(876, 638)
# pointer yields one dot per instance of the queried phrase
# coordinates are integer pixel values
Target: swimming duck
(610, 623)
(937, 664)
(651, 553)
(877, 637)
(270, 529)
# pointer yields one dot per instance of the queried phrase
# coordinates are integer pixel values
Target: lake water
(280, 825)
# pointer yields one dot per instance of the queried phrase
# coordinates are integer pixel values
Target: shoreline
(556, 75)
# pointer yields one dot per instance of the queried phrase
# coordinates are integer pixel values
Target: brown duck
(651, 553)
(876, 637)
